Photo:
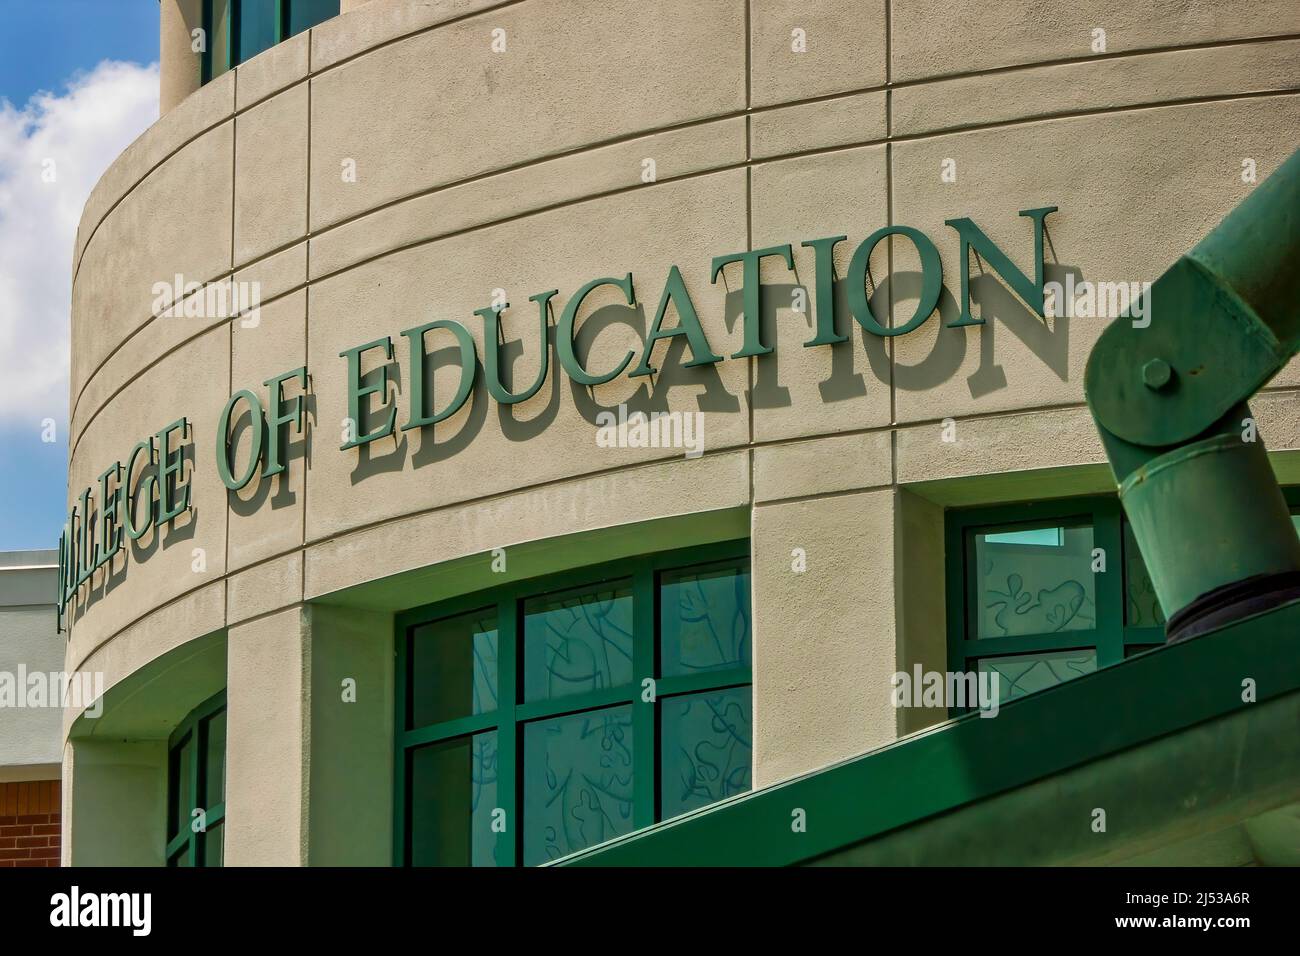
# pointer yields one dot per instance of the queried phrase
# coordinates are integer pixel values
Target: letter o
(223, 441)
(931, 280)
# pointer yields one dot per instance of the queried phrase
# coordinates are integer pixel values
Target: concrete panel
(824, 638)
(823, 124)
(941, 37)
(176, 221)
(180, 69)
(843, 48)
(351, 777)
(823, 466)
(802, 391)
(546, 93)
(115, 803)
(271, 174)
(623, 497)
(342, 38)
(272, 70)
(267, 740)
(506, 196)
(1095, 85)
(263, 588)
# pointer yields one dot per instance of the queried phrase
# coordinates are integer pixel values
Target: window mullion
(399, 764)
(508, 844)
(955, 595)
(197, 735)
(644, 744)
(1110, 584)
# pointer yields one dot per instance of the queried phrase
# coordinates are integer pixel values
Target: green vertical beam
(400, 751)
(1108, 535)
(509, 781)
(643, 711)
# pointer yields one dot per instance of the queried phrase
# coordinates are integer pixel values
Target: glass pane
(578, 641)
(706, 749)
(452, 791)
(256, 27)
(1141, 608)
(1295, 520)
(704, 619)
(305, 14)
(214, 846)
(1026, 586)
(1133, 650)
(180, 859)
(182, 802)
(1041, 537)
(1022, 674)
(215, 784)
(219, 45)
(453, 668)
(577, 782)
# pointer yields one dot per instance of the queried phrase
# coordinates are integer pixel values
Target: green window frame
(223, 22)
(1126, 618)
(508, 715)
(196, 780)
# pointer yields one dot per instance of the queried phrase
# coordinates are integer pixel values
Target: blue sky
(57, 101)
(44, 42)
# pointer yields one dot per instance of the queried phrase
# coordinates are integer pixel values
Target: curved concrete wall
(522, 170)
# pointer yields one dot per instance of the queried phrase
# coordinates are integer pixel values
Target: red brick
(45, 853)
(34, 818)
(46, 829)
(30, 841)
(29, 862)
(7, 821)
(15, 854)
(16, 831)
(8, 843)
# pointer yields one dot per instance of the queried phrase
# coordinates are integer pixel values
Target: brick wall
(29, 823)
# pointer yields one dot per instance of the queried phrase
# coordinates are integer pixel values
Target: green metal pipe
(1209, 513)
(1169, 399)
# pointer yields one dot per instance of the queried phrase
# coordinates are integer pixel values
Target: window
(238, 30)
(1025, 602)
(582, 706)
(196, 786)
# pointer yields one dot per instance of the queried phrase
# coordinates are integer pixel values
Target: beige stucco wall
(522, 171)
(179, 66)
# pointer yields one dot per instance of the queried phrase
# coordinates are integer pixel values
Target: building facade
(498, 427)
(31, 688)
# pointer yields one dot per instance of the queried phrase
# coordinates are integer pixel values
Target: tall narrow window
(542, 718)
(196, 786)
(238, 30)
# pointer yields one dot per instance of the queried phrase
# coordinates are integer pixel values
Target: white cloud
(76, 135)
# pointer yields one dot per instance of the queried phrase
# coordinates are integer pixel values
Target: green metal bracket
(1169, 398)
